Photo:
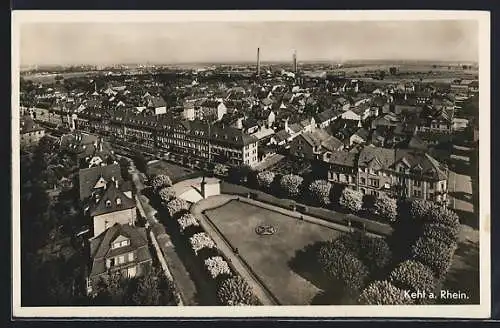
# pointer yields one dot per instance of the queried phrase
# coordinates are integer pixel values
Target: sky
(181, 42)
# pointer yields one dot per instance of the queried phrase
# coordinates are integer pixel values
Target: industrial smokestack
(258, 61)
(295, 61)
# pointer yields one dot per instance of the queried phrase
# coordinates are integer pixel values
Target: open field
(270, 256)
(50, 78)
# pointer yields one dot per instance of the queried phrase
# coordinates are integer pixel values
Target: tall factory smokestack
(295, 61)
(258, 61)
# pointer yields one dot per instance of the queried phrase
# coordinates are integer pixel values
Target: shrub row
(231, 288)
(429, 260)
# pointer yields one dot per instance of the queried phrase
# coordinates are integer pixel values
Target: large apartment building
(397, 172)
(196, 140)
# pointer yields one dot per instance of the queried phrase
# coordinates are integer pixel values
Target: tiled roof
(28, 125)
(112, 200)
(342, 158)
(100, 247)
(426, 163)
(385, 157)
(89, 177)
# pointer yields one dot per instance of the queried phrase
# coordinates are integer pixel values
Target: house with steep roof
(341, 167)
(109, 206)
(30, 133)
(311, 145)
(96, 177)
(419, 175)
(359, 137)
(120, 249)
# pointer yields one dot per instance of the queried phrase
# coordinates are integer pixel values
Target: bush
(199, 241)
(290, 185)
(220, 169)
(187, 220)
(176, 205)
(442, 215)
(375, 253)
(216, 266)
(419, 208)
(236, 291)
(265, 179)
(386, 208)
(342, 265)
(383, 293)
(320, 192)
(240, 174)
(414, 276)
(351, 200)
(434, 253)
(160, 181)
(445, 233)
(166, 194)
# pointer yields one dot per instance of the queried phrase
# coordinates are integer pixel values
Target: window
(374, 182)
(121, 259)
(363, 181)
(417, 183)
(130, 257)
(118, 201)
(417, 193)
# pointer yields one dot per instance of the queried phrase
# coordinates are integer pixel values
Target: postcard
(283, 164)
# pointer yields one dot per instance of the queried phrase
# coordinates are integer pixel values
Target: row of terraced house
(199, 141)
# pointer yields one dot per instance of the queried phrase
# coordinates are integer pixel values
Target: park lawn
(175, 172)
(270, 257)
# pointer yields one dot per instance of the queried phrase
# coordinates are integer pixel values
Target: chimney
(258, 61)
(239, 123)
(116, 184)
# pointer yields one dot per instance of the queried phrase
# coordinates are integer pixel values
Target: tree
(265, 179)
(386, 207)
(187, 220)
(342, 265)
(383, 293)
(152, 289)
(320, 191)
(434, 253)
(167, 194)
(445, 233)
(176, 205)
(375, 253)
(161, 181)
(393, 70)
(442, 215)
(111, 289)
(140, 161)
(220, 169)
(414, 276)
(240, 174)
(419, 208)
(216, 266)
(290, 185)
(201, 240)
(124, 166)
(351, 200)
(236, 291)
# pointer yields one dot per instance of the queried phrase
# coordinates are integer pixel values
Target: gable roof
(385, 157)
(89, 177)
(417, 159)
(341, 158)
(112, 200)
(100, 246)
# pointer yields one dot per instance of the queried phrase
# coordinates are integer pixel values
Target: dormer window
(108, 203)
(120, 243)
(118, 201)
